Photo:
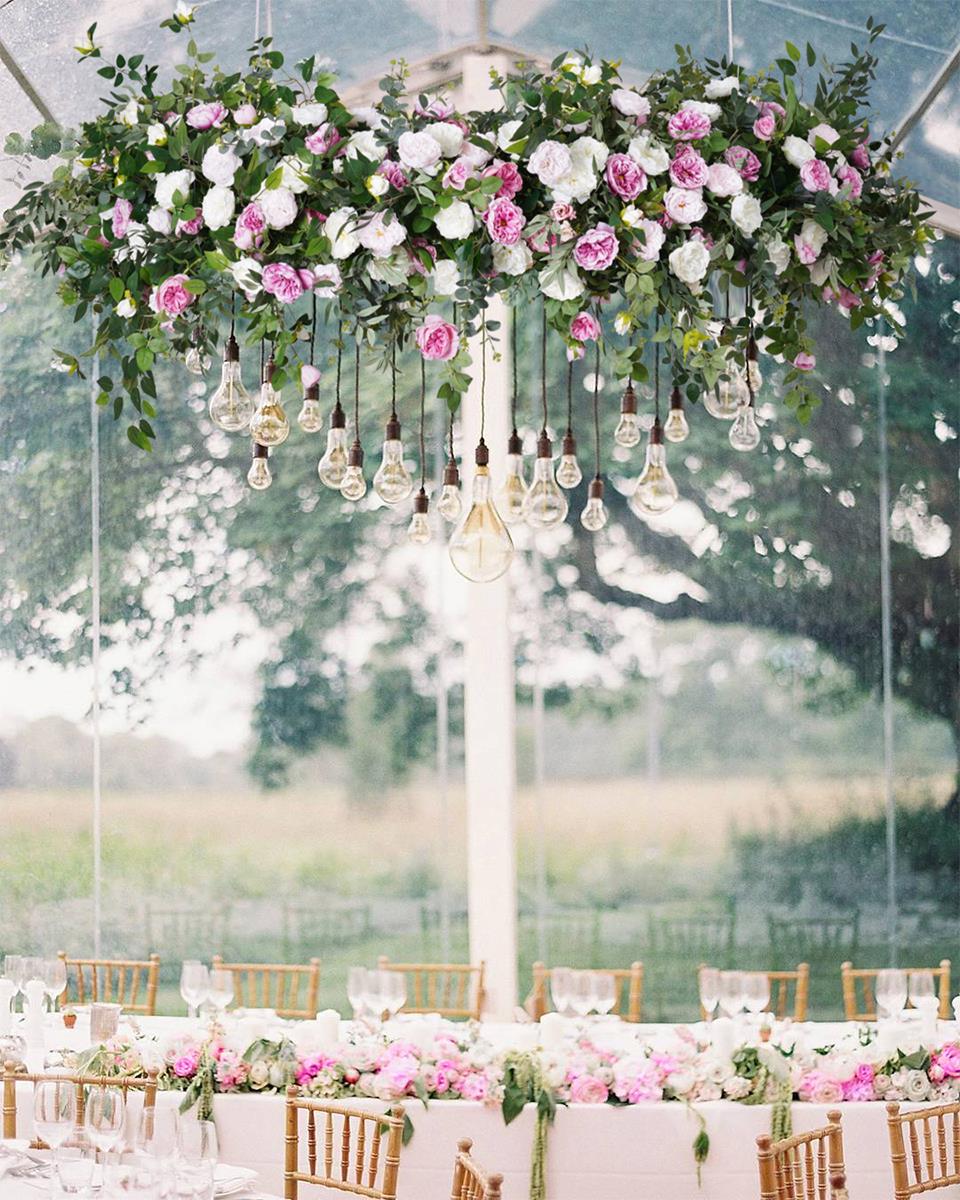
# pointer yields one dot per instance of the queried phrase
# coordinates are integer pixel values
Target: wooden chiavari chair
(781, 984)
(12, 1076)
(275, 985)
(805, 1166)
(363, 1159)
(469, 1181)
(629, 983)
(113, 981)
(454, 990)
(859, 984)
(934, 1158)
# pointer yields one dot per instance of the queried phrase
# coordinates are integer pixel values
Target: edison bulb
(481, 547)
(546, 505)
(594, 516)
(269, 425)
(354, 486)
(723, 400)
(392, 481)
(333, 465)
(745, 432)
(310, 418)
(627, 433)
(418, 531)
(450, 505)
(656, 491)
(231, 405)
(569, 474)
(513, 494)
(259, 476)
(676, 428)
(196, 362)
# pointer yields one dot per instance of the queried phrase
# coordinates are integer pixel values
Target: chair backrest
(782, 983)
(130, 982)
(470, 1182)
(805, 1166)
(12, 1076)
(310, 927)
(696, 936)
(859, 984)
(454, 990)
(814, 938)
(290, 990)
(629, 981)
(357, 1152)
(933, 1135)
(187, 931)
(569, 936)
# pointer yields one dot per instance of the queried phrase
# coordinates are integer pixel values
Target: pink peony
(597, 248)
(171, 296)
(206, 116)
(394, 173)
(185, 1065)
(512, 180)
(561, 211)
(860, 157)
(122, 212)
(437, 108)
(586, 1089)
(585, 327)
(191, 227)
(724, 180)
(804, 361)
(853, 179)
(688, 169)
(246, 114)
(504, 221)
(770, 108)
(625, 177)
(457, 174)
(744, 161)
(948, 1060)
(764, 128)
(250, 227)
(283, 281)
(860, 1087)
(323, 139)
(815, 175)
(438, 340)
(688, 125)
(474, 1086)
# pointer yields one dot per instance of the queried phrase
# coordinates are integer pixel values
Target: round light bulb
(569, 474)
(627, 433)
(333, 464)
(353, 486)
(392, 481)
(259, 476)
(269, 425)
(196, 362)
(594, 516)
(231, 405)
(419, 531)
(745, 432)
(723, 400)
(481, 548)
(546, 505)
(656, 491)
(676, 427)
(310, 418)
(450, 504)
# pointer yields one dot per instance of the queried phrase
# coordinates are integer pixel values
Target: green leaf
(144, 358)
(116, 289)
(138, 437)
(793, 51)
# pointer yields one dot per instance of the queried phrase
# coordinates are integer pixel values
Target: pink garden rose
(860, 1087)
(764, 128)
(815, 175)
(438, 340)
(684, 205)
(587, 1089)
(122, 212)
(585, 327)
(185, 1065)
(323, 139)
(875, 261)
(852, 178)
(394, 173)
(474, 1086)
(246, 114)
(688, 126)
(948, 1060)
(688, 169)
(171, 296)
(284, 282)
(250, 227)
(206, 116)
(860, 157)
(561, 211)
(504, 221)
(770, 108)
(191, 227)
(597, 248)
(509, 173)
(457, 174)
(625, 177)
(804, 361)
(438, 108)
(744, 161)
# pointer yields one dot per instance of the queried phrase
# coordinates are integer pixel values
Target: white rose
(326, 279)
(719, 89)
(681, 1081)
(690, 261)
(446, 277)
(279, 206)
(631, 216)
(589, 151)
(814, 235)
(712, 111)
(378, 235)
(630, 103)
(512, 260)
(127, 307)
(419, 151)
(218, 207)
(170, 182)
(377, 185)
(685, 205)
(220, 164)
(341, 228)
(265, 133)
(292, 173)
(778, 252)
(476, 155)
(507, 134)
(826, 133)
(246, 272)
(157, 134)
(745, 213)
(160, 220)
(649, 153)
(797, 151)
(550, 162)
(577, 185)
(310, 113)
(448, 137)
(129, 114)
(591, 75)
(723, 180)
(367, 115)
(565, 285)
(455, 221)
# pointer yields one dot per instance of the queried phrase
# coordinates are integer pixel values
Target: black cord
(451, 437)
(570, 396)
(513, 353)
(356, 389)
(483, 373)
(423, 403)
(233, 314)
(313, 330)
(339, 362)
(393, 380)
(596, 410)
(543, 367)
(656, 369)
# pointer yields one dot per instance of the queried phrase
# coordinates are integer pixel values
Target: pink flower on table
(186, 1065)
(171, 296)
(851, 177)
(191, 227)
(636, 1082)
(815, 175)
(120, 223)
(250, 227)
(818, 1088)
(457, 174)
(625, 177)
(764, 128)
(597, 248)
(323, 139)
(688, 168)
(948, 1060)
(860, 1087)
(438, 340)
(393, 172)
(804, 361)
(509, 174)
(585, 327)
(744, 161)
(561, 211)
(587, 1089)
(283, 281)
(206, 116)
(687, 125)
(504, 221)
(398, 1075)
(474, 1086)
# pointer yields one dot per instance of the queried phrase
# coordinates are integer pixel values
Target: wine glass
(373, 996)
(74, 1161)
(709, 983)
(221, 989)
(581, 997)
(394, 992)
(103, 1117)
(194, 985)
(561, 983)
(756, 992)
(54, 979)
(604, 992)
(158, 1133)
(921, 989)
(54, 1111)
(731, 992)
(357, 989)
(197, 1141)
(890, 990)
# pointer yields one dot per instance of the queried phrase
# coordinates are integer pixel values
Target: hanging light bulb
(392, 481)
(627, 433)
(656, 491)
(310, 418)
(513, 494)
(333, 465)
(259, 476)
(723, 400)
(269, 425)
(481, 547)
(745, 432)
(545, 505)
(754, 378)
(353, 485)
(675, 428)
(450, 505)
(231, 405)
(569, 474)
(418, 531)
(594, 515)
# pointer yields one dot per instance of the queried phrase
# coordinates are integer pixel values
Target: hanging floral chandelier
(252, 198)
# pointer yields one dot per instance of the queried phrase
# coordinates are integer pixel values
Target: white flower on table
(309, 112)
(745, 213)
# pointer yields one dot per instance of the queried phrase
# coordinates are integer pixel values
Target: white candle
(328, 1027)
(722, 1036)
(552, 1026)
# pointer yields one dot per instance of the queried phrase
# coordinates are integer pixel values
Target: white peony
(779, 253)
(507, 134)
(565, 285)
(711, 111)
(719, 89)
(292, 174)
(826, 133)
(631, 216)
(218, 207)
(419, 152)
(160, 220)
(685, 205)
(512, 260)
(797, 151)
(690, 261)
(310, 113)
(326, 278)
(170, 182)
(474, 154)
(265, 133)
(649, 153)
(723, 180)
(365, 144)
(455, 221)
(446, 277)
(157, 134)
(590, 152)
(448, 137)
(220, 164)
(370, 116)
(279, 206)
(550, 162)
(129, 114)
(341, 229)
(379, 235)
(745, 213)
(591, 75)
(577, 185)
(630, 103)
(246, 272)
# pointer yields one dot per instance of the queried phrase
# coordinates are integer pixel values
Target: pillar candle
(552, 1026)
(328, 1027)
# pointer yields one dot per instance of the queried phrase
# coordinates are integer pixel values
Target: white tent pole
(95, 646)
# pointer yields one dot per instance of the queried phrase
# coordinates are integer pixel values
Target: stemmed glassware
(890, 990)
(756, 991)
(561, 984)
(604, 992)
(731, 992)
(54, 1111)
(220, 992)
(54, 976)
(709, 983)
(358, 988)
(394, 991)
(194, 985)
(158, 1133)
(103, 1117)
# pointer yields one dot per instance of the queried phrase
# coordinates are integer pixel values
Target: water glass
(197, 1141)
(394, 988)
(921, 988)
(221, 989)
(194, 985)
(890, 990)
(194, 1180)
(731, 992)
(561, 983)
(756, 991)
(132, 1177)
(604, 992)
(709, 981)
(54, 979)
(158, 1133)
(54, 1111)
(357, 990)
(74, 1162)
(104, 1116)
